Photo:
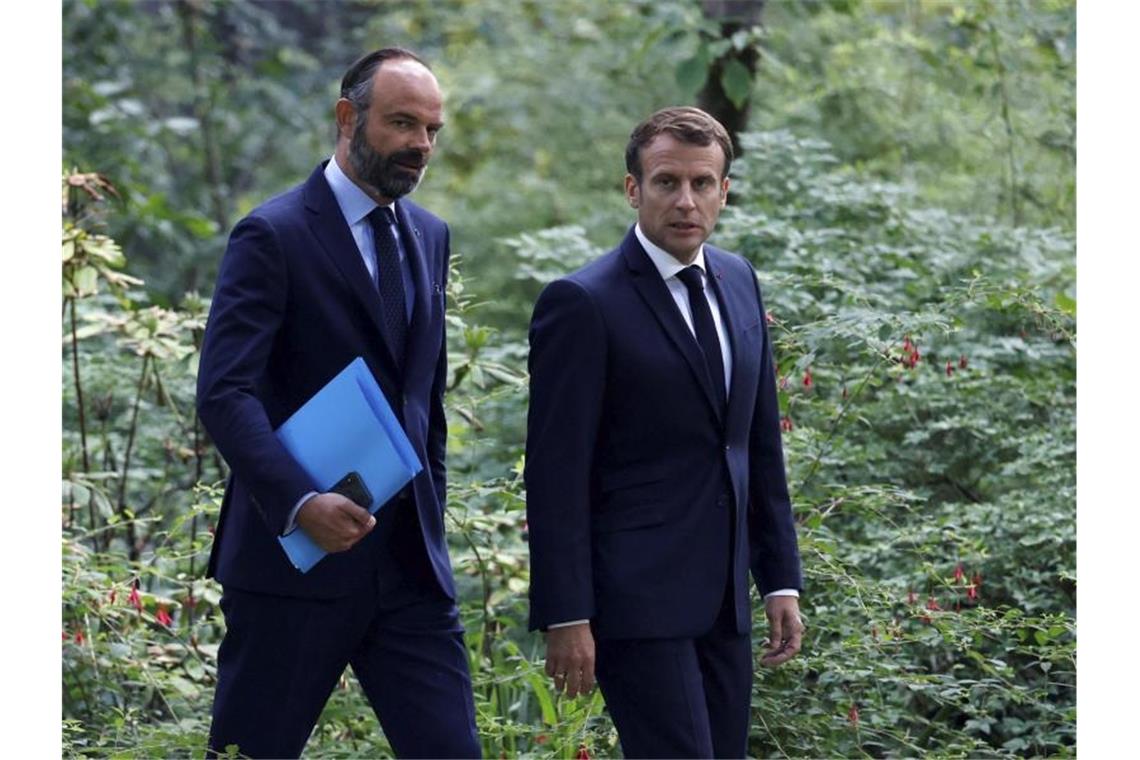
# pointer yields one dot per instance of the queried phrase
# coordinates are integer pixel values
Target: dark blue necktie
(391, 280)
(705, 329)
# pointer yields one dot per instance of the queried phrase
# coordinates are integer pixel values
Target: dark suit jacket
(293, 305)
(637, 485)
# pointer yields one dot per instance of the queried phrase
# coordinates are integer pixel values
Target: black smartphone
(352, 487)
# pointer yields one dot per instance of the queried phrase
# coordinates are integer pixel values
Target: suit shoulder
(598, 272)
(422, 216)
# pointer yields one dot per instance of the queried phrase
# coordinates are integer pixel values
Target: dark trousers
(281, 658)
(680, 697)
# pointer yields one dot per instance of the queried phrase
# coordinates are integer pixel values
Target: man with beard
(338, 267)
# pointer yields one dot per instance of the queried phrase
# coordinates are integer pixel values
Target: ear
(724, 192)
(632, 191)
(345, 118)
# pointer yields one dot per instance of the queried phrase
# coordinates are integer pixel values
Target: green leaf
(692, 72)
(1066, 304)
(737, 82)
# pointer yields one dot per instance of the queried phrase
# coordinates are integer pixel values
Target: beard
(382, 173)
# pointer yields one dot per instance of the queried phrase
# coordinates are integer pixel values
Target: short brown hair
(687, 124)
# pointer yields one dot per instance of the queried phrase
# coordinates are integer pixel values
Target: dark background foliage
(906, 192)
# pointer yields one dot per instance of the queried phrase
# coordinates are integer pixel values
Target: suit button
(727, 447)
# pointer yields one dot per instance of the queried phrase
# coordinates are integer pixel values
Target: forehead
(666, 154)
(406, 85)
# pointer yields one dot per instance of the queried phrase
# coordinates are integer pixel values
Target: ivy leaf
(737, 82)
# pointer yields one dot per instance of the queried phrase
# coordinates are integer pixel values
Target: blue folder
(347, 426)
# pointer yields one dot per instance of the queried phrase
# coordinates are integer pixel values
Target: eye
(664, 182)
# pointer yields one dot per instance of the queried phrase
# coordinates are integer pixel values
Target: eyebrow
(412, 116)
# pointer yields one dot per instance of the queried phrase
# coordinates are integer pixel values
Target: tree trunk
(733, 16)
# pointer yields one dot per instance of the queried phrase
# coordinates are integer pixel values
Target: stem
(81, 410)
(122, 504)
(189, 12)
(1015, 204)
(78, 385)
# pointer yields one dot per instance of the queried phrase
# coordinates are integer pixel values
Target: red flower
(926, 619)
(134, 600)
(911, 597)
(977, 580)
(111, 596)
(807, 378)
(962, 362)
(66, 636)
(972, 593)
(163, 617)
(786, 424)
(907, 345)
(783, 382)
(540, 739)
(949, 368)
(768, 317)
(912, 362)
(932, 604)
(853, 716)
(79, 636)
(959, 573)
(583, 753)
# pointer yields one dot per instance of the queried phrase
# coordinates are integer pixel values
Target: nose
(685, 198)
(422, 141)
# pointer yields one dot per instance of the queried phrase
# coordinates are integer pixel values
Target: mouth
(685, 227)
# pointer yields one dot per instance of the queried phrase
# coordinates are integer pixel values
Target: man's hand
(570, 658)
(334, 522)
(785, 630)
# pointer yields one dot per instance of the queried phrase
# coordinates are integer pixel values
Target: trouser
(281, 657)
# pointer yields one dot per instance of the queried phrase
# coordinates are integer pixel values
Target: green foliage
(906, 197)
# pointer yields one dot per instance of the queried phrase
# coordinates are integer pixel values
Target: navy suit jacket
(644, 500)
(293, 305)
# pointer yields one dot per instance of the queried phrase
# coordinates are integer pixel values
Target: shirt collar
(354, 203)
(663, 260)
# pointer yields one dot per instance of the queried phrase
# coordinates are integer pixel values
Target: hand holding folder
(347, 427)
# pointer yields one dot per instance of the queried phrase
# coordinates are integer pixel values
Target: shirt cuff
(567, 625)
(782, 592)
(291, 524)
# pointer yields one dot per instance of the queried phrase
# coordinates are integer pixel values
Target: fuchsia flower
(111, 596)
(911, 597)
(79, 636)
(853, 716)
(783, 382)
(972, 593)
(807, 378)
(163, 617)
(768, 317)
(959, 573)
(786, 424)
(134, 600)
(932, 604)
(949, 368)
(583, 753)
(962, 362)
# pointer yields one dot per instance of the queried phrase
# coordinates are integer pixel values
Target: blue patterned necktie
(391, 280)
(705, 329)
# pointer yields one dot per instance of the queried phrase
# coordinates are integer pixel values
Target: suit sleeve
(437, 419)
(247, 310)
(567, 378)
(775, 556)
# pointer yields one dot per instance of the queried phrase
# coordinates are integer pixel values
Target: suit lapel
(330, 229)
(653, 290)
(412, 237)
(738, 317)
